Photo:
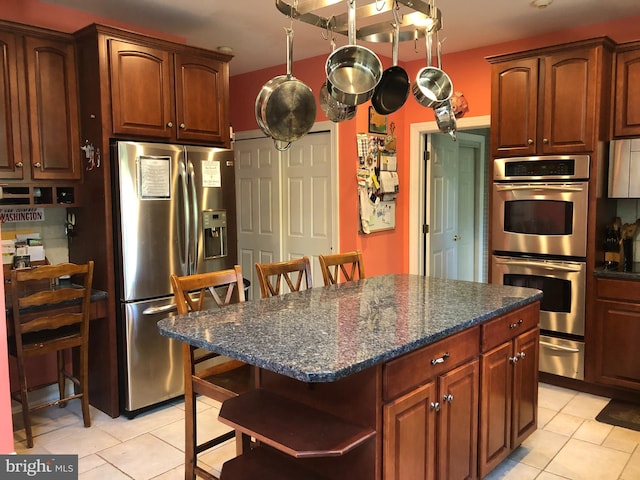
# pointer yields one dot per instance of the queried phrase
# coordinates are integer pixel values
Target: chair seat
(235, 381)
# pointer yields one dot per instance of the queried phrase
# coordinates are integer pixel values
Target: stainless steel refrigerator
(174, 212)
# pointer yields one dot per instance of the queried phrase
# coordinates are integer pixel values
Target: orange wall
(386, 252)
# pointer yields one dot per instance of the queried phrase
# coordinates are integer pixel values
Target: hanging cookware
(352, 71)
(334, 110)
(393, 89)
(432, 85)
(445, 118)
(285, 106)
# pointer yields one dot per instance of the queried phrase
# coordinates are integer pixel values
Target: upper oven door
(540, 218)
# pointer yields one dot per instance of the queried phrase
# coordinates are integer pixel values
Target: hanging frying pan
(393, 89)
(285, 106)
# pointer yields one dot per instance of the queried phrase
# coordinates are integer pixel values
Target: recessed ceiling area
(253, 29)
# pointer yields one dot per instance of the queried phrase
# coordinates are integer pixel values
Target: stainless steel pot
(352, 71)
(285, 106)
(333, 109)
(432, 85)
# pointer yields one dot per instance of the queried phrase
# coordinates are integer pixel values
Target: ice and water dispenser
(214, 226)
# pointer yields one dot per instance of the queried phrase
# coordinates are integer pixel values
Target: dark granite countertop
(327, 333)
(634, 274)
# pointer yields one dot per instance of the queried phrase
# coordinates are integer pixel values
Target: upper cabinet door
(53, 109)
(627, 98)
(201, 98)
(141, 90)
(571, 86)
(11, 162)
(514, 107)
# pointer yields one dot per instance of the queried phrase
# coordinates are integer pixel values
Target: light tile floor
(569, 443)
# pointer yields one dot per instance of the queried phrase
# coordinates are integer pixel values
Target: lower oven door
(562, 283)
(562, 357)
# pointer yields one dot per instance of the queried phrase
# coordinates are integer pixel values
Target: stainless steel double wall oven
(539, 240)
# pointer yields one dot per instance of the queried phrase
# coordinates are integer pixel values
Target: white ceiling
(254, 28)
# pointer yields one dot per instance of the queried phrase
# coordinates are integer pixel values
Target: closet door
(285, 202)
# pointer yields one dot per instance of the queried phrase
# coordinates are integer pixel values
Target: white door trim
(416, 183)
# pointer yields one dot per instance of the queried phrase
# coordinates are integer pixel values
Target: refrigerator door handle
(184, 260)
(161, 309)
(193, 204)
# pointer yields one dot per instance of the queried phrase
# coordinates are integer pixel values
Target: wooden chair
(349, 264)
(271, 274)
(221, 379)
(38, 330)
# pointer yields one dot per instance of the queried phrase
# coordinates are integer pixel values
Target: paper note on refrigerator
(211, 173)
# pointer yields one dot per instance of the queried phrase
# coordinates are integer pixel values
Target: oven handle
(559, 348)
(546, 266)
(553, 188)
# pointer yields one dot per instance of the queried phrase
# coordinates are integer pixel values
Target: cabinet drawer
(506, 327)
(626, 290)
(416, 368)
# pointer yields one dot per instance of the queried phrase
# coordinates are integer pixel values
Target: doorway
(448, 212)
(285, 200)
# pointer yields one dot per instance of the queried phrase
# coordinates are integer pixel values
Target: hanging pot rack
(375, 17)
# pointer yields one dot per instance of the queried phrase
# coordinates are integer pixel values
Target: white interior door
(307, 200)
(285, 202)
(455, 207)
(258, 205)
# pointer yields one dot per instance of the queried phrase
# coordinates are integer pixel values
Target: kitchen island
(386, 377)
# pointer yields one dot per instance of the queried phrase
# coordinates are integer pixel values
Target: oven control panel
(561, 167)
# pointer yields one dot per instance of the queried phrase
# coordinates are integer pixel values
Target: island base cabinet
(431, 432)
(509, 398)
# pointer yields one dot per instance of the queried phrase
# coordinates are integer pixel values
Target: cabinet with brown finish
(548, 101)
(431, 431)
(39, 137)
(509, 385)
(177, 96)
(618, 332)
(626, 121)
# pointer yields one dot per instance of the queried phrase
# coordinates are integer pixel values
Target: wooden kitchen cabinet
(509, 385)
(626, 120)
(432, 431)
(174, 96)
(617, 320)
(40, 137)
(546, 101)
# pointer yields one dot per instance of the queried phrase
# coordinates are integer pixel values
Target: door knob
(456, 238)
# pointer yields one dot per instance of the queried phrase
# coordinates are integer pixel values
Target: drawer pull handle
(447, 398)
(436, 361)
(516, 325)
(435, 406)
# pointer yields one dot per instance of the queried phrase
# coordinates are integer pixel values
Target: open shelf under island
(394, 377)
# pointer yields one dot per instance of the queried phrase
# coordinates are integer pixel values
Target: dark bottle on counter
(612, 248)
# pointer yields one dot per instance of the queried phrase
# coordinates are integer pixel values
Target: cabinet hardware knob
(530, 141)
(435, 406)
(170, 124)
(447, 398)
(521, 355)
(545, 140)
(513, 360)
(37, 164)
(19, 164)
(182, 126)
(516, 325)
(436, 361)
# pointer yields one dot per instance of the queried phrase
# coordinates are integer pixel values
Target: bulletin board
(383, 216)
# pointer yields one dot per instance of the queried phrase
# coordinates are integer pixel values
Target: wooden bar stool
(271, 274)
(221, 378)
(350, 264)
(37, 330)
